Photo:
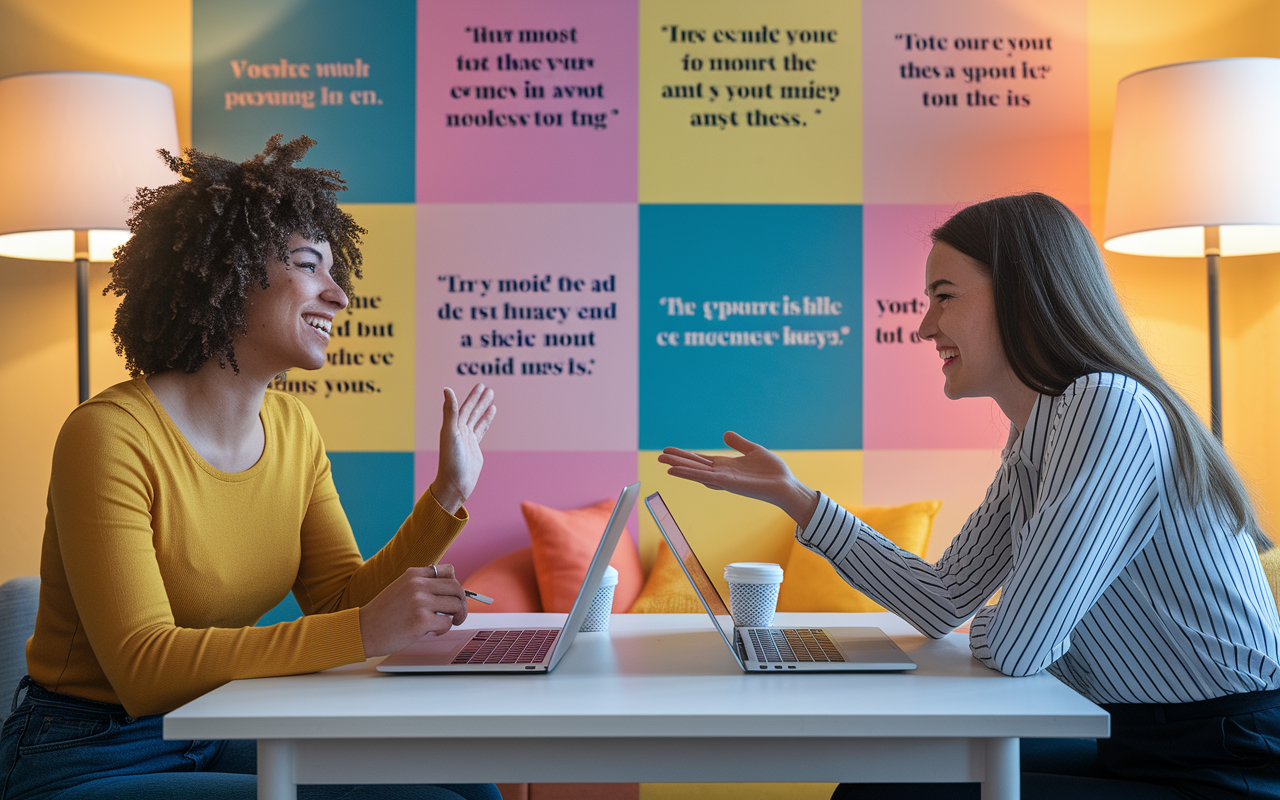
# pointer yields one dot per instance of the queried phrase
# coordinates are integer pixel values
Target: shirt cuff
(978, 636)
(832, 532)
(461, 516)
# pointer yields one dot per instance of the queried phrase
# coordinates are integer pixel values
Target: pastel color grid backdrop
(637, 221)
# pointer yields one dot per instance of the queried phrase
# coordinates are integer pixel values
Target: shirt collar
(1028, 447)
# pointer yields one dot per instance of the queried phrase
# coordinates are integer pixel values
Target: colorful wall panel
(645, 223)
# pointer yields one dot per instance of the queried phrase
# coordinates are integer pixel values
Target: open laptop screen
(692, 567)
(707, 592)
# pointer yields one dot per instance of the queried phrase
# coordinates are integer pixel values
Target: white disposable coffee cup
(753, 592)
(602, 605)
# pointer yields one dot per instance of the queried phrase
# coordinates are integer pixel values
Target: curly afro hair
(199, 244)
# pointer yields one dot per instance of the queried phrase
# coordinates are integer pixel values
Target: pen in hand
(475, 596)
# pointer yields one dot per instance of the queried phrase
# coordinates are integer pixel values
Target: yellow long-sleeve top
(155, 565)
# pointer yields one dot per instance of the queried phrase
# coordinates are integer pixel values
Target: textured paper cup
(753, 592)
(602, 605)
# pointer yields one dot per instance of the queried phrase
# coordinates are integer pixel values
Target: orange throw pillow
(509, 580)
(668, 591)
(810, 583)
(563, 544)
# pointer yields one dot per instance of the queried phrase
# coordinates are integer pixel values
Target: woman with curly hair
(1123, 543)
(187, 502)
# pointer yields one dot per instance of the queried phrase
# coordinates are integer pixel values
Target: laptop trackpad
(870, 646)
(431, 649)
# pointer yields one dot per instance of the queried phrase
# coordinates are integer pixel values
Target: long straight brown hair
(1059, 318)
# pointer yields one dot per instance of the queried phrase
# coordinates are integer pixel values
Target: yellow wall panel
(363, 398)
(705, 141)
(723, 527)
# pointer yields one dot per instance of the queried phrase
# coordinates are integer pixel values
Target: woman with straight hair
(1123, 541)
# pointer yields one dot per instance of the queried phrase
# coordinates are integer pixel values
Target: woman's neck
(1017, 400)
(217, 410)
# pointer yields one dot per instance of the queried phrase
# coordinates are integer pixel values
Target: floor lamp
(1195, 171)
(74, 147)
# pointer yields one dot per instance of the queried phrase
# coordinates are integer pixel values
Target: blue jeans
(64, 747)
(1216, 749)
(1052, 769)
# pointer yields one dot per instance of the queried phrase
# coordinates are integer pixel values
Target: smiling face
(961, 322)
(288, 324)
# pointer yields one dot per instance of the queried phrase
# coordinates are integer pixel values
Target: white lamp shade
(74, 148)
(1194, 145)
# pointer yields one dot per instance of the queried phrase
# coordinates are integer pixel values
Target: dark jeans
(64, 747)
(1228, 747)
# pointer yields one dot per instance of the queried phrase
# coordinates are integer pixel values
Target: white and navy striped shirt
(1112, 580)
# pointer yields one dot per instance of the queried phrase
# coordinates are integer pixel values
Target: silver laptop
(780, 649)
(516, 649)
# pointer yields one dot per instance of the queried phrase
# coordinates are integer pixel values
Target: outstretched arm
(757, 473)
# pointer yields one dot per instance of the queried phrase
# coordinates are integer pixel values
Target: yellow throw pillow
(1271, 567)
(667, 591)
(810, 583)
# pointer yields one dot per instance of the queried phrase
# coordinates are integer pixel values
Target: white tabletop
(652, 675)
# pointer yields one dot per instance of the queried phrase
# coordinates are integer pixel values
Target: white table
(657, 699)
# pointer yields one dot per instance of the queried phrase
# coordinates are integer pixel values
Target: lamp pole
(82, 310)
(60, 175)
(1212, 250)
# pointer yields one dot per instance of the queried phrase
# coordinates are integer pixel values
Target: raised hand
(424, 600)
(460, 457)
(757, 473)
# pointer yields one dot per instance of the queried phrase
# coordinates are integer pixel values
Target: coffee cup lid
(752, 572)
(610, 577)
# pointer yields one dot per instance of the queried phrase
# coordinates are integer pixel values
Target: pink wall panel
(562, 408)
(562, 480)
(903, 405)
(1016, 121)
(488, 155)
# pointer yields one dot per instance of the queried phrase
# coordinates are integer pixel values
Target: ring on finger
(435, 573)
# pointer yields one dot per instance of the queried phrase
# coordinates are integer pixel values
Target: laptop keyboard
(507, 647)
(793, 644)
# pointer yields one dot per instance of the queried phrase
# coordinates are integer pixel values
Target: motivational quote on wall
(531, 326)
(506, 66)
(1001, 72)
(759, 77)
(308, 96)
(897, 320)
(784, 335)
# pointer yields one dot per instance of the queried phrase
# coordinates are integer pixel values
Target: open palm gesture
(460, 434)
(757, 473)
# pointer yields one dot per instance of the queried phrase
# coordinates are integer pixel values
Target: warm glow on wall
(1188, 242)
(60, 245)
(74, 149)
(1194, 145)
